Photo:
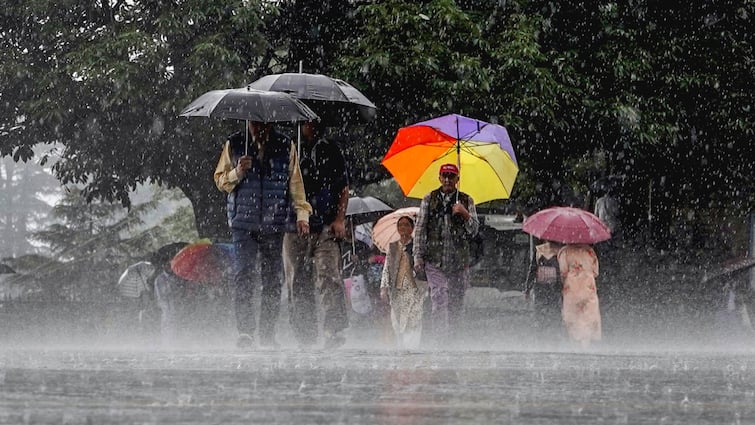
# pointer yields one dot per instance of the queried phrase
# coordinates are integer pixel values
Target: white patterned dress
(406, 295)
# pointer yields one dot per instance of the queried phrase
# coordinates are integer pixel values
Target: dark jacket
(437, 213)
(323, 170)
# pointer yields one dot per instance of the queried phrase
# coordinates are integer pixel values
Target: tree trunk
(209, 210)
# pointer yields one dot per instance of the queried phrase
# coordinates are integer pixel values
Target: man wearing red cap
(446, 223)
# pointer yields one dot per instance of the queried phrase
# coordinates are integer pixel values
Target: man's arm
(226, 177)
(338, 226)
(298, 196)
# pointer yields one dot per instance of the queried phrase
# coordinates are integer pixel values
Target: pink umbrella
(566, 225)
(384, 231)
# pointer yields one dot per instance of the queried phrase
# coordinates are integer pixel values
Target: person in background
(406, 293)
(580, 311)
(446, 223)
(607, 210)
(544, 287)
(171, 293)
(260, 173)
(313, 261)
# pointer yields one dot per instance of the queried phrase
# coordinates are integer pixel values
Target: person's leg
(548, 313)
(297, 262)
(458, 282)
(271, 271)
(439, 296)
(327, 253)
(244, 281)
(165, 294)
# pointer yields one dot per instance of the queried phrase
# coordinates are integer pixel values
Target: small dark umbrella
(165, 253)
(731, 268)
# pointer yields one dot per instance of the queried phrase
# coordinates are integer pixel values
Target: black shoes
(334, 341)
(269, 344)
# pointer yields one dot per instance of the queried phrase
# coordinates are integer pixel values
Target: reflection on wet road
(76, 386)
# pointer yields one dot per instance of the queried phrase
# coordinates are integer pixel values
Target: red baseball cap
(449, 168)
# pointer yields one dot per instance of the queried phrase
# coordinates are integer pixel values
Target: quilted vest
(260, 201)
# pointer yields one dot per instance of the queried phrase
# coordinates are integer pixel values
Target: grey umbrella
(135, 280)
(334, 100)
(364, 210)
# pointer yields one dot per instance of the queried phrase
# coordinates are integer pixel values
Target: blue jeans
(257, 262)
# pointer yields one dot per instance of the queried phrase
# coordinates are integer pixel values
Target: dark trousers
(548, 322)
(258, 263)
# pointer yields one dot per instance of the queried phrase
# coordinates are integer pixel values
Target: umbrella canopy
(249, 104)
(363, 233)
(135, 279)
(365, 209)
(202, 261)
(482, 151)
(566, 225)
(165, 253)
(332, 99)
(384, 232)
(731, 268)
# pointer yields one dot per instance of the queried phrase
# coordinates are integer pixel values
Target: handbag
(360, 298)
(546, 274)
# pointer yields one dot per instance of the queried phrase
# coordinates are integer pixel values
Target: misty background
(98, 171)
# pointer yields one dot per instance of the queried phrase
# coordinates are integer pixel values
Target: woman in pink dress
(580, 310)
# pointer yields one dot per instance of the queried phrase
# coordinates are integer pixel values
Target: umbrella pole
(298, 123)
(353, 241)
(458, 165)
(246, 140)
(458, 159)
(298, 140)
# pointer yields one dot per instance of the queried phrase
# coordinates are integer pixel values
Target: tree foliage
(107, 80)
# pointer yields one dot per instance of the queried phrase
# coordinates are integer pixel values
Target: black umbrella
(249, 104)
(334, 100)
(165, 253)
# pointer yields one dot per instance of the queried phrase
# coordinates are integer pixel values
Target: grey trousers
(312, 266)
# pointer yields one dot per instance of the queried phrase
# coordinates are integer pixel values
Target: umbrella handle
(298, 141)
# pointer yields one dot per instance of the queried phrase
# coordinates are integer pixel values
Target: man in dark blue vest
(313, 262)
(260, 172)
(446, 223)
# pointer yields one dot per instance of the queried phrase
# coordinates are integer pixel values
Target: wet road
(133, 386)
